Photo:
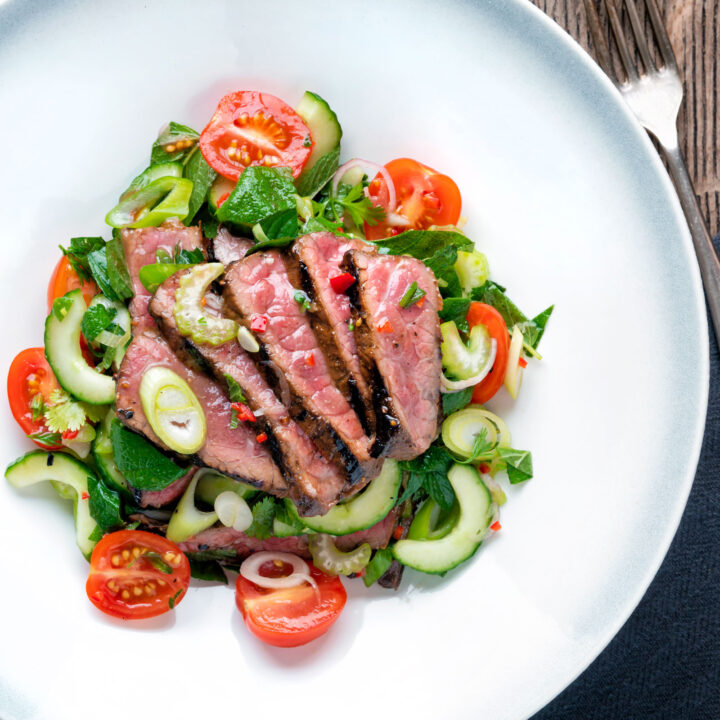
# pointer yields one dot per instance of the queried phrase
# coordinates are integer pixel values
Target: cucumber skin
(461, 557)
(325, 129)
(54, 335)
(320, 524)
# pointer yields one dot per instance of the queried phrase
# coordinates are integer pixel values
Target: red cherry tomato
(487, 315)
(252, 128)
(64, 279)
(424, 197)
(137, 574)
(291, 616)
(30, 375)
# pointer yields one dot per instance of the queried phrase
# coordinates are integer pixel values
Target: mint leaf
(452, 402)
(104, 504)
(518, 464)
(202, 176)
(144, 466)
(96, 319)
(429, 473)
(423, 244)
(117, 271)
(378, 566)
(311, 182)
(208, 570)
(455, 310)
(77, 254)
(98, 264)
(165, 148)
(442, 263)
(188, 257)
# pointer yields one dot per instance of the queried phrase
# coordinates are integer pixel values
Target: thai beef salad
(275, 364)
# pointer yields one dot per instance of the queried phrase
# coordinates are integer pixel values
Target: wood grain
(693, 29)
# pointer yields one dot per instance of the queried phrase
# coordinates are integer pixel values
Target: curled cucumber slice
(330, 560)
(191, 318)
(186, 519)
(172, 410)
(465, 361)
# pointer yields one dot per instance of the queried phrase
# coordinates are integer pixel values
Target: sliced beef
(224, 538)
(320, 256)
(226, 248)
(233, 452)
(315, 484)
(399, 349)
(259, 287)
(160, 498)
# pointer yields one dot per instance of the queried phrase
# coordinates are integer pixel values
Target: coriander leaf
(424, 244)
(442, 263)
(260, 192)
(378, 565)
(209, 570)
(284, 516)
(117, 271)
(354, 203)
(188, 257)
(234, 390)
(518, 464)
(96, 319)
(452, 402)
(104, 504)
(202, 176)
(165, 148)
(144, 466)
(78, 251)
(263, 512)
(65, 416)
(411, 295)
(456, 309)
(321, 224)
(61, 306)
(311, 182)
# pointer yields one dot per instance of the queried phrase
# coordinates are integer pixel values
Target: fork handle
(704, 249)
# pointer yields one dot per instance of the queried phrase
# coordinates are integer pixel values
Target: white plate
(567, 197)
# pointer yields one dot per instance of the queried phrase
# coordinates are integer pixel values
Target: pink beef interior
(227, 248)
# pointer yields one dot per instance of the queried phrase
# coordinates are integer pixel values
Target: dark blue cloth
(665, 662)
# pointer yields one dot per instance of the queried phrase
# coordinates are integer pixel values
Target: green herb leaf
(442, 263)
(311, 182)
(156, 561)
(263, 514)
(285, 516)
(209, 570)
(46, 438)
(452, 402)
(456, 309)
(77, 252)
(518, 464)
(144, 466)
(411, 295)
(98, 264)
(302, 299)
(173, 133)
(260, 193)
(423, 244)
(429, 472)
(235, 392)
(117, 271)
(202, 176)
(104, 504)
(482, 449)
(188, 257)
(378, 566)
(96, 319)
(163, 256)
(61, 307)
(37, 406)
(351, 202)
(175, 598)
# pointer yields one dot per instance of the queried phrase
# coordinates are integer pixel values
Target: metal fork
(655, 94)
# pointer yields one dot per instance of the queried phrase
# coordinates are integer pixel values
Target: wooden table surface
(693, 28)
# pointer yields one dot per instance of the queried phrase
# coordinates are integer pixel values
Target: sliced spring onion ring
(250, 570)
(247, 340)
(514, 373)
(172, 410)
(366, 165)
(449, 386)
(233, 511)
(460, 429)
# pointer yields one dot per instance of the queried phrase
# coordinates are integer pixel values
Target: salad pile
(153, 507)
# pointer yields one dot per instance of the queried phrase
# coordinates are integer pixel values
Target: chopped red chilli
(398, 532)
(262, 437)
(70, 434)
(85, 496)
(259, 323)
(484, 468)
(310, 359)
(385, 326)
(340, 283)
(243, 412)
(522, 362)
(496, 526)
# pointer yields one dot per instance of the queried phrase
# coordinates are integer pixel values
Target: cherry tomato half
(482, 314)
(137, 574)
(252, 128)
(424, 197)
(64, 279)
(291, 616)
(30, 375)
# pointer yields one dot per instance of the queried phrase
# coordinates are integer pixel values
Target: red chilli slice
(340, 283)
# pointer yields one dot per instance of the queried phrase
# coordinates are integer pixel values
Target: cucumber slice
(154, 172)
(431, 522)
(439, 556)
(192, 321)
(323, 124)
(465, 361)
(472, 270)
(186, 519)
(330, 560)
(107, 339)
(102, 450)
(172, 410)
(211, 483)
(362, 510)
(69, 477)
(62, 349)
(282, 529)
(219, 190)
